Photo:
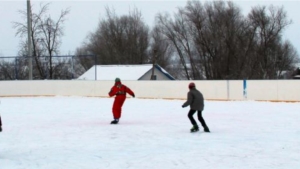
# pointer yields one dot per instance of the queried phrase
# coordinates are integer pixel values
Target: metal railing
(45, 67)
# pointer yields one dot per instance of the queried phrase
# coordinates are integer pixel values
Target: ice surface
(75, 133)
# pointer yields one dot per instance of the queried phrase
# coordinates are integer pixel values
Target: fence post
(95, 67)
(245, 89)
(228, 92)
(72, 61)
(16, 68)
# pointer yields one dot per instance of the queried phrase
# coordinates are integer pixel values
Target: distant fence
(261, 90)
(64, 67)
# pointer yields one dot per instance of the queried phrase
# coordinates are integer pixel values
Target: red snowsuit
(120, 91)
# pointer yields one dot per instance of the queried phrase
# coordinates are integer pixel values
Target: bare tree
(269, 25)
(218, 42)
(118, 40)
(46, 38)
(205, 38)
(285, 58)
(51, 32)
(84, 59)
(220, 36)
(160, 48)
(7, 70)
(171, 31)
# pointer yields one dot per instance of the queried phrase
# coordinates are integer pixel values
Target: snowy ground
(75, 133)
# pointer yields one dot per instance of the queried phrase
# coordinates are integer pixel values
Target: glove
(133, 95)
(182, 106)
(0, 129)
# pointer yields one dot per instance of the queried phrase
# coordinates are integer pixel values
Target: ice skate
(206, 130)
(195, 128)
(115, 121)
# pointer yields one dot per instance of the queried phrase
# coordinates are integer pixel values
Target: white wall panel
(267, 90)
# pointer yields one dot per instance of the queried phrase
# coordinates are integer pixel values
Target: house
(126, 72)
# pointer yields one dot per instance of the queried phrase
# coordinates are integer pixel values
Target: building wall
(265, 90)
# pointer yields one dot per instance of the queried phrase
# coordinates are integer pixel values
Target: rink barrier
(217, 90)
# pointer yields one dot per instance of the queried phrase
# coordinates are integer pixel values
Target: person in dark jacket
(119, 90)
(196, 102)
(0, 124)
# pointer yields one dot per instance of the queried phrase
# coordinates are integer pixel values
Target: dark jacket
(195, 100)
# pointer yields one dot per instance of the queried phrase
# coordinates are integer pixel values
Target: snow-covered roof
(124, 72)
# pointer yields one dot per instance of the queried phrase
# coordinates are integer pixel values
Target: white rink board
(264, 90)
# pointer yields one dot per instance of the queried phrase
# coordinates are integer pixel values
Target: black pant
(0, 125)
(200, 118)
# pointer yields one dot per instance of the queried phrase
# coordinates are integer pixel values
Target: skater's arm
(112, 92)
(129, 91)
(189, 100)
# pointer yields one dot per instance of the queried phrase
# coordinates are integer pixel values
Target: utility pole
(29, 39)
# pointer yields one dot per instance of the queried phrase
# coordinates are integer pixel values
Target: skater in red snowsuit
(119, 90)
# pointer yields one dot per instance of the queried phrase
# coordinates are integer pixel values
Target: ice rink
(75, 133)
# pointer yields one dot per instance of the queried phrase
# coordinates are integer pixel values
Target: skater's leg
(201, 119)
(190, 116)
(121, 102)
(0, 124)
(115, 111)
(115, 108)
(194, 123)
(118, 108)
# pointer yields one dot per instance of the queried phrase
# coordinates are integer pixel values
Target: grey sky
(85, 15)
